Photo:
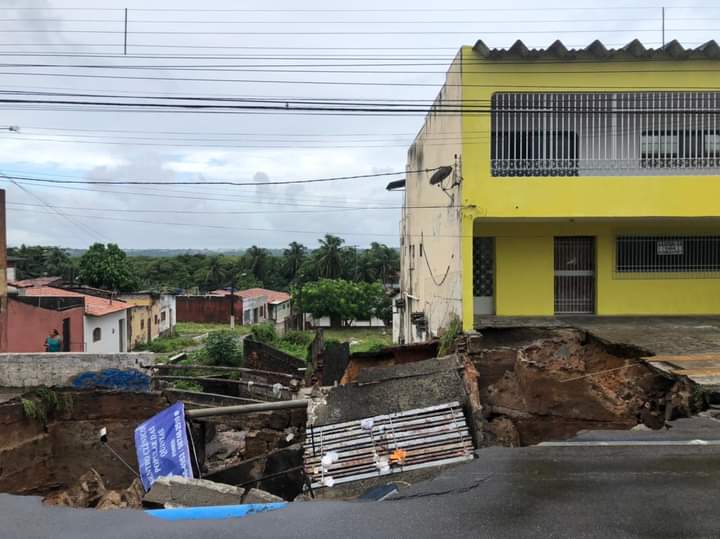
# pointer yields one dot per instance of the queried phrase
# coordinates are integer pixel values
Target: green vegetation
(223, 348)
(263, 333)
(447, 339)
(43, 403)
(187, 385)
(167, 345)
(344, 301)
(107, 266)
(194, 329)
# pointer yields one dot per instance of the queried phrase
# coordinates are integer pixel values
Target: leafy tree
(328, 256)
(107, 267)
(342, 301)
(40, 261)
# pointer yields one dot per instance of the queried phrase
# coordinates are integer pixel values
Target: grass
(361, 339)
(295, 343)
(193, 329)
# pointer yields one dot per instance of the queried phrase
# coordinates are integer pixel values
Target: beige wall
(430, 243)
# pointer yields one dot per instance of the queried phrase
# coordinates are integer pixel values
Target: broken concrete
(384, 390)
(175, 491)
(183, 492)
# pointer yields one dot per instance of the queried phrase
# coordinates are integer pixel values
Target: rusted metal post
(247, 408)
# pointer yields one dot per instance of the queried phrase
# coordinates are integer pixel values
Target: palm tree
(328, 256)
(255, 258)
(294, 257)
(215, 274)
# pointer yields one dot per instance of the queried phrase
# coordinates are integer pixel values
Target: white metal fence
(679, 256)
(591, 134)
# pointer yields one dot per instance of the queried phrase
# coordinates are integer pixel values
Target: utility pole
(663, 26)
(232, 304)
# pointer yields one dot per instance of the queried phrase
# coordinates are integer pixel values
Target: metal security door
(574, 275)
(484, 276)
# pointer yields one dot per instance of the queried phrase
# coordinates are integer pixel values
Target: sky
(369, 50)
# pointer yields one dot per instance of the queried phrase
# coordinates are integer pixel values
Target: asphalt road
(572, 491)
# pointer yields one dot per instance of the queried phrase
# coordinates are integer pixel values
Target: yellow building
(582, 182)
(152, 316)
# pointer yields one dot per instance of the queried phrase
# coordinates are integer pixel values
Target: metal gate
(484, 275)
(574, 275)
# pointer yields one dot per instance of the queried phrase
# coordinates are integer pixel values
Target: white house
(105, 321)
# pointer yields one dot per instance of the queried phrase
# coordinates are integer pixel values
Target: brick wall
(58, 369)
(262, 357)
(208, 309)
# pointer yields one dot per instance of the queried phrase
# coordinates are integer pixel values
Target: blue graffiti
(128, 380)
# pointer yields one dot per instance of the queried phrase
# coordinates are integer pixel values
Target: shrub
(264, 333)
(223, 348)
(447, 339)
(298, 337)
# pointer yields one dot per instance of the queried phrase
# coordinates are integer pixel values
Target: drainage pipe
(247, 408)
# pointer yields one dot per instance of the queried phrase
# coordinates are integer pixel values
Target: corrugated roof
(596, 50)
(94, 306)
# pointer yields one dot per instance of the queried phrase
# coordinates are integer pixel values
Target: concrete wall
(28, 326)
(168, 314)
(207, 309)
(430, 278)
(610, 197)
(110, 339)
(58, 369)
(138, 324)
(3, 275)
(525, 270)
(255, 310)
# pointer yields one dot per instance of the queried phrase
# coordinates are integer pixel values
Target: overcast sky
(116, 145)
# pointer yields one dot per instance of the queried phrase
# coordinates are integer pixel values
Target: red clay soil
(570, 381)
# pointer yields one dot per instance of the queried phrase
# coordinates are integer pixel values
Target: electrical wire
(222, 182)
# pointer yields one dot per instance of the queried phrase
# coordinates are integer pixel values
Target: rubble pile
(90, 492)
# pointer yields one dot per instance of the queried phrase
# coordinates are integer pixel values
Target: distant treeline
(110, 267)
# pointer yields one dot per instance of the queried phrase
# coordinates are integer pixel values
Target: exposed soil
(38, 456)
(548, 384)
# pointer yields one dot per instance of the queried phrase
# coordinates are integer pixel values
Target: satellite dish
(440, 174)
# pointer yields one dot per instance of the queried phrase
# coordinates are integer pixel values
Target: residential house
(3, 274)
(104, 328)
(572, 182)
(271, 305)
(150, 316)
(254, 304)
(31, 319)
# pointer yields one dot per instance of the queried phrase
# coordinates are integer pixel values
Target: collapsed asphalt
(570, 491)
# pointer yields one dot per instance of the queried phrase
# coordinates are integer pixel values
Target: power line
(155, 210)
(355, 83)
(90, 232)
(221, 182)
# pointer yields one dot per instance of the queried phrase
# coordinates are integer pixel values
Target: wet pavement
(656, 334)
(586, 490)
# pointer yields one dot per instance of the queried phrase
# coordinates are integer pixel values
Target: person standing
(53, 343)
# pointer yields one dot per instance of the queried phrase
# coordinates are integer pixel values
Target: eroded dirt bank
(538, 385)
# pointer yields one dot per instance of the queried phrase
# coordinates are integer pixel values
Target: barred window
(647, 254)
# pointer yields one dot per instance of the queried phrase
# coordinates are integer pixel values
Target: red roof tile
(272, 296)
(38, 281)
(94, 306)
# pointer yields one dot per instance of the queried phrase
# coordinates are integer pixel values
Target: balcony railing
(598, 134)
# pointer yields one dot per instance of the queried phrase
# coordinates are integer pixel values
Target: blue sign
(162, 446)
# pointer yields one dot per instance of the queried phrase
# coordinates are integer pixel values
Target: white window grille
(594, 134)
(667, 254)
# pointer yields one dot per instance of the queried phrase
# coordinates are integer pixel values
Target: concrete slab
(667, 335)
